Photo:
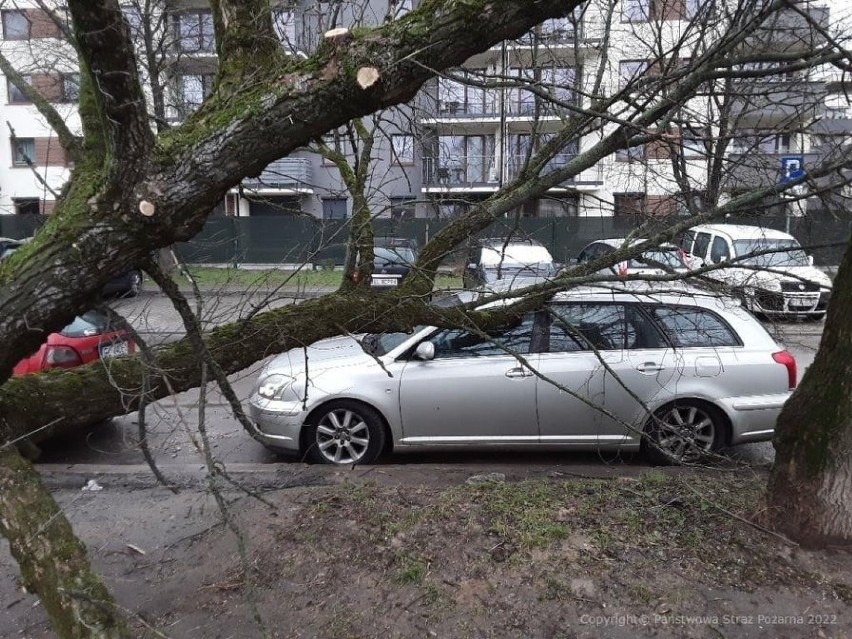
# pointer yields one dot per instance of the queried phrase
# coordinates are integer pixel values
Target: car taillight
(61, 357)
(786, 359)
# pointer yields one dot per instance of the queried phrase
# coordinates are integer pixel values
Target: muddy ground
(439, 551)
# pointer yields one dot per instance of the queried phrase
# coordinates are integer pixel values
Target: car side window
(452, 343)
(702, 241)
(576, 327)
(719, 250)
(694, 327)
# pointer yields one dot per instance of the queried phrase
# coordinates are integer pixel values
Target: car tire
(344, 432)
(683, 432)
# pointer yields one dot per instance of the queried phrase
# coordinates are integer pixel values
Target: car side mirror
(425, 351)
(471, 266)
(810, 260)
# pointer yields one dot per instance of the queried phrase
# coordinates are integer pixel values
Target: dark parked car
(125, 285)
(391, 265)
(494, 259)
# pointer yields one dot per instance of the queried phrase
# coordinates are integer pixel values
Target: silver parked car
(592, 366)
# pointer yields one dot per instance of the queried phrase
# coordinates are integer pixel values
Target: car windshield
(789, 252)
(660, 258)
(383, 343)
(395, 255)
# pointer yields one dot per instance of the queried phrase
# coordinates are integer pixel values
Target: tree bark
(54, 564)
(810, 489)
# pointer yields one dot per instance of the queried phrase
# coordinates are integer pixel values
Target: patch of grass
(641, 593)
(211, 277)
(555, 589)
(412, 569)
(523, 512)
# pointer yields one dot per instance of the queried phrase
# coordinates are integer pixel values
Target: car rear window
(692, 327)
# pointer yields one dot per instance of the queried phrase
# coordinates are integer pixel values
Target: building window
(630, 71)
(636, 10)
(457, 97)
(631, 153)
(761, 141)
(284, 25)
(16, 96)
(403, 149)
(466, 159)
(334, 208)
(16, 25)
(193, 90)
(693, 140)
(23, 151)
(195, 32)
(629, 203)
(70, 87)
(27, 205)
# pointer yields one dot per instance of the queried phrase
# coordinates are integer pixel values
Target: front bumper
(277, 424)
(789, 303)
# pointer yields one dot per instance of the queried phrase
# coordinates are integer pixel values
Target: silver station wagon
(673, 373)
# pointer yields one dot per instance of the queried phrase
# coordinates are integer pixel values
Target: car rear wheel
(683, 433)
(344, 433)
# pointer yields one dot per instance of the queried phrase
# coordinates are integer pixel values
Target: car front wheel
(683, 433)
(344, 433)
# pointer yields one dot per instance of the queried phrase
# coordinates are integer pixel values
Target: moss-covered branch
(53, 562)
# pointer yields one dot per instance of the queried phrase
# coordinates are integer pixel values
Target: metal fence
(291, 240)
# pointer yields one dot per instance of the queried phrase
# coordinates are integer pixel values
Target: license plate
(385, 281)
(801, 303)
(114, 349)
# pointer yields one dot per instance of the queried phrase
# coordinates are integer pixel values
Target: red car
(89, 337)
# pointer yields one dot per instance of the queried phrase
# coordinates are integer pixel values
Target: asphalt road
(173, 423)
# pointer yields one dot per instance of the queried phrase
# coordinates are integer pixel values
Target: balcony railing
(286, 173)
(460, 171)
(479, 170)
(460, 109)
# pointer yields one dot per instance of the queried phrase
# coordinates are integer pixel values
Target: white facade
(468, 132)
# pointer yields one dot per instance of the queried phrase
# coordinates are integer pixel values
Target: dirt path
(418, 550)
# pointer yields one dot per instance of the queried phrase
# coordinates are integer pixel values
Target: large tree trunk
(53, 562)
(810, 489)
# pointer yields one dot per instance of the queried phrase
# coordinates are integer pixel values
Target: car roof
(501, 241)
(743, 231)
(618, 242)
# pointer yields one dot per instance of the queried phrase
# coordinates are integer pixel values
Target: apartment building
(469, 131)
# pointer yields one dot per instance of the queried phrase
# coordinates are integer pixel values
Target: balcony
(788, 30)
(481, 172)
(460, 109)
(287, 174)
(763, 104)
(469, 171)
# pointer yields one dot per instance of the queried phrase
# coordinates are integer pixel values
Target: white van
(769, 270)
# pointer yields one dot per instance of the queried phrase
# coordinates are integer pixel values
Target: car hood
(770, 280)
(333, 352)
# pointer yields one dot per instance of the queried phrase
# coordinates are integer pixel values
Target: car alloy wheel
(682, 433)
(345, 433)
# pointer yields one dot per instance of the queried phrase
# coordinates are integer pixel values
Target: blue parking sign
(792, 168)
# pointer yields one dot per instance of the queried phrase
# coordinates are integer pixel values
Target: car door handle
(518, 372)
(650, 367)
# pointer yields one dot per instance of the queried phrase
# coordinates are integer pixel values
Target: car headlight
(273, 386)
